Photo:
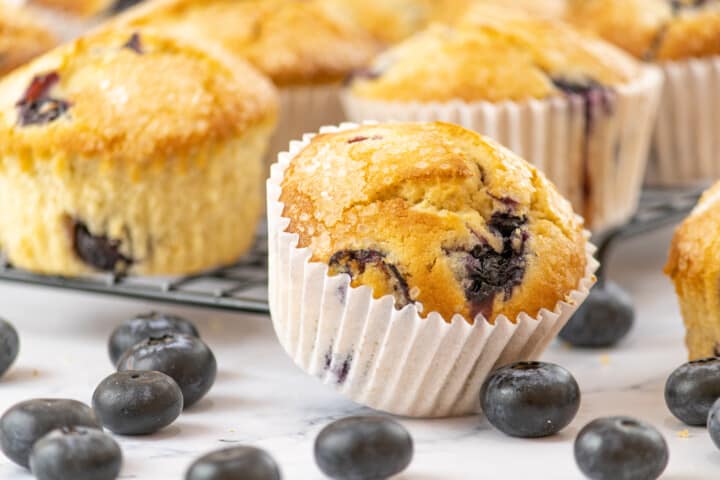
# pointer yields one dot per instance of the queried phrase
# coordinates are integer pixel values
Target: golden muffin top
(436, 214)
(21, 38)
(87, 8)
(693, 252)
(660, 30)
(510, 58)
(540, 8)
(293, 42)
(123, 96)
(391, 21)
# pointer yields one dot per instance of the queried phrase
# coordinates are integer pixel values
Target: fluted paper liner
(388, 359)
(303, 109)
(598, 164)
(687, 138)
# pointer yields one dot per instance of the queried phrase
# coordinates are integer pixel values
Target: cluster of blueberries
(162, 367)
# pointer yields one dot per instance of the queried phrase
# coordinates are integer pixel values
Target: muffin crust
(21, 38)
(436, 214)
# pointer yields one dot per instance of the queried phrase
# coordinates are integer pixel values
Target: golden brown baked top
(21, 38)
(659, 30)
(123, 96)
(695, 246)
(291, 41)
(494, 60)
(435, 213)
(87, 8)
(391, 21)
(539, 8)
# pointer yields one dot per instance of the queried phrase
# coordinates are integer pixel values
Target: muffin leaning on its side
(21, 38)
(305, 47)
(129, 152)
(694, 267)
(578, 108)
(407, 259)
(682, 38)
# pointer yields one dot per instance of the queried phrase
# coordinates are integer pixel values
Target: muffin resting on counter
(435, 214)
(21, 38)
(131, 152)
(694, 267)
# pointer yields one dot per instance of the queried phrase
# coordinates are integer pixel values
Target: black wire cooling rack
(243, 286)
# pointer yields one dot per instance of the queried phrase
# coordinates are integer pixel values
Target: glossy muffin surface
(493, 60)
(694, 267)
(435, 214)
(293, 42)
(131, 153)
(658, 30)
(21, 38)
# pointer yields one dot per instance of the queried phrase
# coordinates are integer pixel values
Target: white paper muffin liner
(599, 169)
(388, 359)
(687, 138)
(304, 109)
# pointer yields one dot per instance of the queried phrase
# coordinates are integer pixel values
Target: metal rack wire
(243, 286)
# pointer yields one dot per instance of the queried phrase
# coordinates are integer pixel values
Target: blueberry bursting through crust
(488, 272)
(37, 107)
(355, 262)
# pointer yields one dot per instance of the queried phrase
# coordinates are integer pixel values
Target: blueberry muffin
(21, 38)
(694, 267)
(87, 8)
(128, 152)
(682, 38)
(553, 95)
(657, 30)
(437, 215)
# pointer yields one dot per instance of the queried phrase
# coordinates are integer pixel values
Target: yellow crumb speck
(605, 359)
(231, 430)
(35, 372)
(684, 433)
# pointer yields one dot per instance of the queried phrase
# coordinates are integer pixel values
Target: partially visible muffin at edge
(131, 153)
(87, 8)
(21, 38)
(694, 267)
(659, 30)
(436, 214)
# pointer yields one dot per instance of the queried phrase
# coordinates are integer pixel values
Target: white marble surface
(261, 398)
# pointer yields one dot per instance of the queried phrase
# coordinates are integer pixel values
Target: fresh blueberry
(242, 462)
(603, 320)
(620, 448)
(691, 390)
(183, 357)
(26, 422)
(9, 346)
(137, 403)
(143, 326)
(713, 423)
(530, 399)
(76, 453)
(363, 448)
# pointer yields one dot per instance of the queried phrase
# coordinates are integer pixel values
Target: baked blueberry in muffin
(130, 152)
(435, 215)
(21, 38)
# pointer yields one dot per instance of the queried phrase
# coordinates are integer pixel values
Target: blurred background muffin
(682, 37)
(305, 47)
(131, 153)
(87, 8)
(575, 106)
(21, 37)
